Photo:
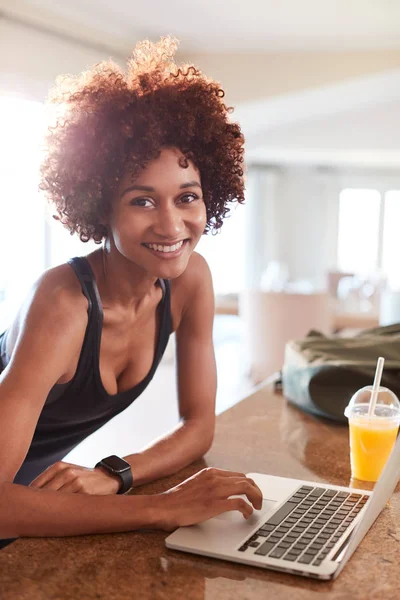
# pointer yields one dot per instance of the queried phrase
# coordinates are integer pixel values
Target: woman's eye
(187, 198)
(146, 202)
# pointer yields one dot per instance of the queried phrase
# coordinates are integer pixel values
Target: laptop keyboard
(307, 526)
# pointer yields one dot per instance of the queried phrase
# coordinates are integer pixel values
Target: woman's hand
(208, 494)
(64, 477)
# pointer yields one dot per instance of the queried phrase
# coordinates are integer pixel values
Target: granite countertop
(263, 434)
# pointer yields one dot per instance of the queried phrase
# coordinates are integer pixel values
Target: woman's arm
(197, 381)
(50, 336)
(37, 513)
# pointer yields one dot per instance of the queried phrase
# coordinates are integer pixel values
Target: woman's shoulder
(59, 289)
(187, 289)
(55, 298)
(197, 270)
(197, 273)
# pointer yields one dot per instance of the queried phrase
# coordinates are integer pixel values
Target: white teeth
(165, 248)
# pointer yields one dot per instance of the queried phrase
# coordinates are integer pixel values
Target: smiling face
(158, 218)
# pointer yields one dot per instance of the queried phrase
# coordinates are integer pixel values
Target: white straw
(375, 388)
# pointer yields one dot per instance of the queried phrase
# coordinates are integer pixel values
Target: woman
(144, 162)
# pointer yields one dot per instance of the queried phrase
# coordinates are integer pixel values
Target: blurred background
(316, 89)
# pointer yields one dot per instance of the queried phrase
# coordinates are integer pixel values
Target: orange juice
(371, 442)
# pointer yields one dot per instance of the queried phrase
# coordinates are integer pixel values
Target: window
(391, 237)
(368, 238)
(29, 244)
(359, 213)
(21, 207)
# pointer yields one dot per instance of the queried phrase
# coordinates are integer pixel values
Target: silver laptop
(303, 528)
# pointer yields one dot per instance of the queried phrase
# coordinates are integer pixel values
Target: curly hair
(108, 120)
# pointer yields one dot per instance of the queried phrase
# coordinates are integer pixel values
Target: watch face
(116, 463)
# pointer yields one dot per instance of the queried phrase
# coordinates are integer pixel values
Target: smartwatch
(118, 466)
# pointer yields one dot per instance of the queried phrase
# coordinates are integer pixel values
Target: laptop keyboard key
(290, 538)
(280, 514)
(297, 529)
(290, 556)
(306, 559)
(296, 499)
(277, 553)
(296, 551)
(265, 548)
(267, 527)
(330, 493)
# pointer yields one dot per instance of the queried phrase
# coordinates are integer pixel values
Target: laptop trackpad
(235, 516)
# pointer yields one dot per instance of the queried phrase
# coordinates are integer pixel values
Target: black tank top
(76, 409)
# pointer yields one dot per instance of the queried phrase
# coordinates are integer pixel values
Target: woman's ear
(107, 242)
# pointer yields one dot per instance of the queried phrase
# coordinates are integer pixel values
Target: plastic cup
(372, 437)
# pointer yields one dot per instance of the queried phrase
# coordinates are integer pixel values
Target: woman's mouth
(167, 250)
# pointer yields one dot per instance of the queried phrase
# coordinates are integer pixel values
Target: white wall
(30, 60)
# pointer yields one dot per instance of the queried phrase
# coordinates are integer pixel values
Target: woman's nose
(169, 223)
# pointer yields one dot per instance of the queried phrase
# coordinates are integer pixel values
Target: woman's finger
(72, 487)
(243, 486)
(237, 504)
(221, 472)
(253, 493)
(60, 479)
(44, 478)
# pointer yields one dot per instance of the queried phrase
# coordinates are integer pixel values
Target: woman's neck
(121, 282)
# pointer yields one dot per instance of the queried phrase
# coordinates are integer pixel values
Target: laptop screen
(381, 494)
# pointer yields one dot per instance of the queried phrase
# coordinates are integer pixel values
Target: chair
(271, 319)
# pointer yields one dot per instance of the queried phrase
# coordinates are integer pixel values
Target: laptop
(303, 528)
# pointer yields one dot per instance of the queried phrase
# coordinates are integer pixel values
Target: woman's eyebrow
(190, 184)
(148, 188)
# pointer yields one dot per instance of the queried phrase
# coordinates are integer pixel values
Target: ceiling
(225, 26)
(351, 122)
(355, 122)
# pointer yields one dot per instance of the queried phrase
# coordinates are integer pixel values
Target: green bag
(320, 374)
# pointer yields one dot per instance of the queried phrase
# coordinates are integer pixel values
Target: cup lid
(387, 404)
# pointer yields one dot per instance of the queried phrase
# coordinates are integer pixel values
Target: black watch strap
(120, 467)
